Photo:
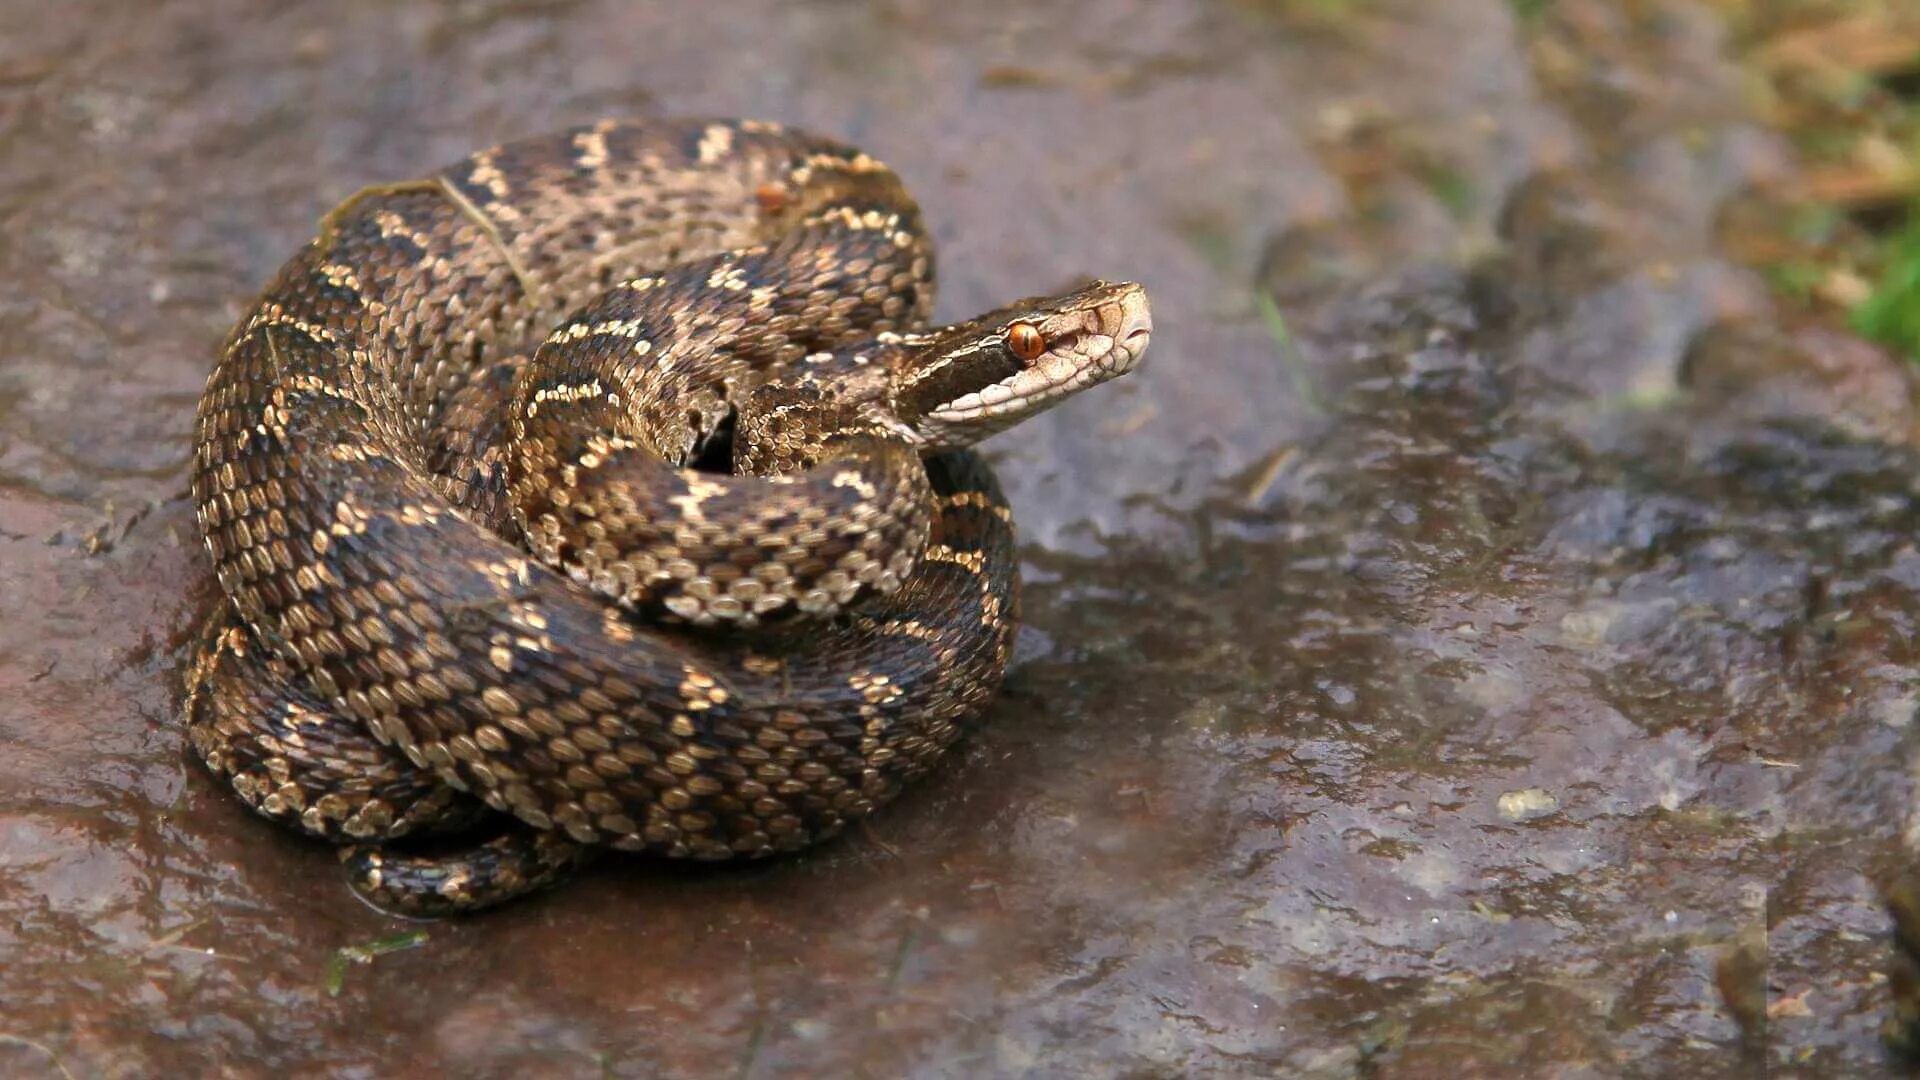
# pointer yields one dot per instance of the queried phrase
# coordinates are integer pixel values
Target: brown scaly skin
(602, 411)
(385, 645)
(287, 755)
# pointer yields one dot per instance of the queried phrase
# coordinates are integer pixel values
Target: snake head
(961, 383)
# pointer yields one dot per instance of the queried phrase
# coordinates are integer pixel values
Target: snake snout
(1132, 321)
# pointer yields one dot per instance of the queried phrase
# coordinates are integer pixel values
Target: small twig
(754, 1043)
(440, 185)
(900, 955)
(1277, 463)
(1137, 791)
(1853, 187)
(22, 1040)
(172, 937)
(1289, 350)
(527, 287)
(866, 830)
(278, 362)
(365, 954)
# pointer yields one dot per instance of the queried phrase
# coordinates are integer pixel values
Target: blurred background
(1479, 641)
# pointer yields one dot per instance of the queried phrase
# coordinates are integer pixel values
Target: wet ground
(1479, 642)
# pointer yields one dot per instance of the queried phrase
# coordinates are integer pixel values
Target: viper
(611, 489)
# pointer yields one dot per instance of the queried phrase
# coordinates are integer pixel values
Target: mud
(1480, 641)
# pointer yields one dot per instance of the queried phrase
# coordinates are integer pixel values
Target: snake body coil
(445, 468)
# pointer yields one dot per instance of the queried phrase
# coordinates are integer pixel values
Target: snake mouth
(1048, 380)
(1136, 330)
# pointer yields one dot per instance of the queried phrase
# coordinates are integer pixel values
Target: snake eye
(1026, 341)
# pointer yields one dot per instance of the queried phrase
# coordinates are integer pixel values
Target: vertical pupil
(1024, 341)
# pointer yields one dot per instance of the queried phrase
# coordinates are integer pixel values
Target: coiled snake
(453, 551)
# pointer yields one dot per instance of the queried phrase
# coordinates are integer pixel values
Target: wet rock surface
(1480, 641)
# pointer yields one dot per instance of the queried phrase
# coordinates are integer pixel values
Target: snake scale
(609, 489)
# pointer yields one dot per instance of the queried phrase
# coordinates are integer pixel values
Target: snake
(612, 490)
